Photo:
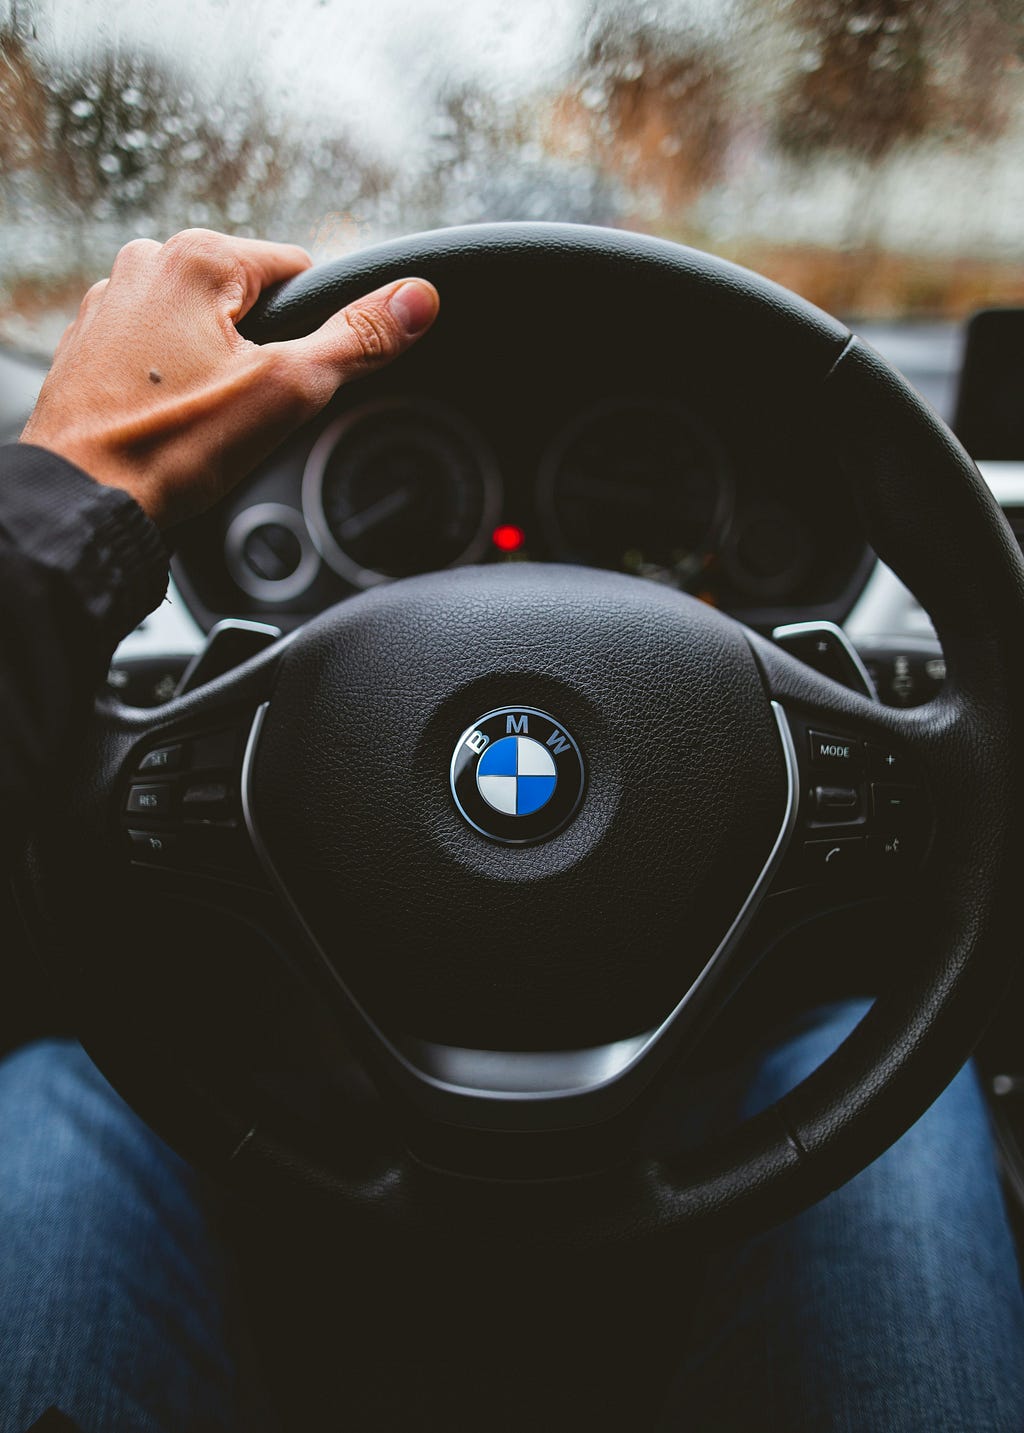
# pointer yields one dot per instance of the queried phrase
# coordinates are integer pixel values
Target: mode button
(839, 753)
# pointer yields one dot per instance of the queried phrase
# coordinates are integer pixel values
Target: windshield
(867, 153)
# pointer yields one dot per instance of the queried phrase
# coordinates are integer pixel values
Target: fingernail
(414, 305)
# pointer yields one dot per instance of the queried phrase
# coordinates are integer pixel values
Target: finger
(219, 259)
(266, 263)
(135, 256)
(92, 297)
(364, 336)
(96, 291)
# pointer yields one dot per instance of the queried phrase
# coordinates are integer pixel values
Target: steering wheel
(513, 827)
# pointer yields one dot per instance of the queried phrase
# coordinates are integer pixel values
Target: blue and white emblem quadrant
(516, 775)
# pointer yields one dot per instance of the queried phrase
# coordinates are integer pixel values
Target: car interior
(307, 959)
(629, 669)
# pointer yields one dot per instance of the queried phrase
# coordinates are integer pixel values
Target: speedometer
(398, 487)
(636, 485)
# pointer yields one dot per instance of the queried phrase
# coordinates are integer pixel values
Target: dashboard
(450, 461)
(406, 480)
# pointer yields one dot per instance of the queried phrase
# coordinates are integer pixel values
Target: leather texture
(926, 511)
(547, 278)
(591, 936)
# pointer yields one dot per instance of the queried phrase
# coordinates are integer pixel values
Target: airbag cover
(588, 936)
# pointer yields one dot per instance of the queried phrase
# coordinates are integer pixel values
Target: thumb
(365, 336)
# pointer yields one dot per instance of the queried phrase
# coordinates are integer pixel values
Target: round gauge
(769, 551)
(269, 553)
(637, 485)
(398, 487)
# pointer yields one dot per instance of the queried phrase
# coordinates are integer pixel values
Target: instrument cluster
(639, 483)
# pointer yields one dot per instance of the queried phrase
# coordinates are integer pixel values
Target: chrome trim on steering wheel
(536, 1089)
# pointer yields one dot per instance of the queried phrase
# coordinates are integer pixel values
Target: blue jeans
(893, 1305)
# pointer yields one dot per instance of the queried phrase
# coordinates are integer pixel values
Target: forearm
(80, 566)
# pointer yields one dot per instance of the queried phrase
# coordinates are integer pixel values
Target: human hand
(154, 390)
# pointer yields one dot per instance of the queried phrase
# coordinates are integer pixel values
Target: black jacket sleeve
(80, 566)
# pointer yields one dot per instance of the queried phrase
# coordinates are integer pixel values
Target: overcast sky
(370, 62)
(373, 63)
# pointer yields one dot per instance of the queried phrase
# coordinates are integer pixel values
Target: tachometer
(769, 551)
(638, 485)
(397, 487)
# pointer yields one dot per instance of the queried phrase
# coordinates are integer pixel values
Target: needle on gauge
(370, 517)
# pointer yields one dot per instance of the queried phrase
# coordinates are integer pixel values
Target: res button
(150, 800)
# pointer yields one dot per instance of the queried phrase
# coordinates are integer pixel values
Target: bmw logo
(517, 775)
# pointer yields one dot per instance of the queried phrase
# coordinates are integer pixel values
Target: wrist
(92, 460)
(100, 540)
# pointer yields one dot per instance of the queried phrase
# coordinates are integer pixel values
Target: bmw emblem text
(517, 775)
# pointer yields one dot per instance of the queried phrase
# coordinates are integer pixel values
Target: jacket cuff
(98, 537)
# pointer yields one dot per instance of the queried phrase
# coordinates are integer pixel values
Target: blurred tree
(487, 162)
(22, 96)
(125, 128)
(125, 136)
(873, 74)
(650, 103)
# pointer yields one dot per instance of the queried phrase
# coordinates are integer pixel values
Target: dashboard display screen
(990, 403)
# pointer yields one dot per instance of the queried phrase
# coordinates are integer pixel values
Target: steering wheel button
(893, 852)
(838, 752)
(151, 800)
(895, 805)
(886, 764)
(207, 798)
(161, 758)
(833, 860)
(214, 749)
(836, 803)
(152, 845)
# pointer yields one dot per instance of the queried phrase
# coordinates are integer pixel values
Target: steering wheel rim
(928, 514)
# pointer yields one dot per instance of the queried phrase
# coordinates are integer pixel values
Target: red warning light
(508, 538)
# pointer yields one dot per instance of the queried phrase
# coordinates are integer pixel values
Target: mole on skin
(154, 376)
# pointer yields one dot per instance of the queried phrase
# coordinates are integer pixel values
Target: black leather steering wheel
(311, 787)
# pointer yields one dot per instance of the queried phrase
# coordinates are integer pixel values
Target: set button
(161, 758)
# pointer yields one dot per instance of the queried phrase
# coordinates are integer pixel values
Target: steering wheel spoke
(179, 802)
(171, 796)
(865, 775)
(864, 817)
